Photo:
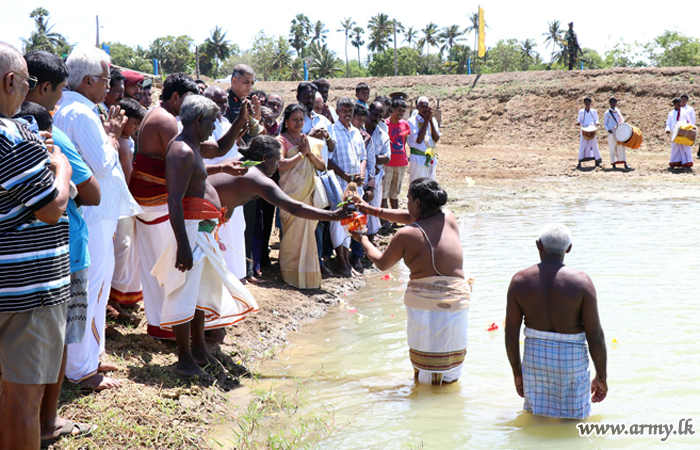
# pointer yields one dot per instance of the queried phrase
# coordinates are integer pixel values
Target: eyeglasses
(107, 80)
(32, 81)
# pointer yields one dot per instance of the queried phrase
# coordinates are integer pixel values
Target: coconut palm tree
(299, 33)
(357, 41)
(450, 36)
(430, 37)
(554, 36)
(319, 33)
(324, 63)
(347, 26)
(217, 46)
(410, 36)
(473, 28)
(380, 28)
(43, 38)
(527, 52)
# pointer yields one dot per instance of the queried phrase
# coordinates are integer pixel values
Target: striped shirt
(349, 148)
(34, 262)
(78, 118)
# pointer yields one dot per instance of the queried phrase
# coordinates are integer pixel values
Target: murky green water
(643, 259)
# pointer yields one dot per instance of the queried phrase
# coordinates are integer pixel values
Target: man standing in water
(561, 313)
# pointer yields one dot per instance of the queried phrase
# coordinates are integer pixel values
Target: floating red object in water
(352, 311)
(371, 299)
(392, 316)
(386, 277)
(492, 327)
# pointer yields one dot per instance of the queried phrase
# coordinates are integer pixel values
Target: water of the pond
(643, 259)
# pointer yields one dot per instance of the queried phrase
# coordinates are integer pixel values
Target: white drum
(623, 132)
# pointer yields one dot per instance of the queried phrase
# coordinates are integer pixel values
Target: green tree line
(389, 45)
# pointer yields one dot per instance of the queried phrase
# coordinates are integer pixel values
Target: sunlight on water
(642, 259)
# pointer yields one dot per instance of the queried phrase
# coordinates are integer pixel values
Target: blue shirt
(79, 256)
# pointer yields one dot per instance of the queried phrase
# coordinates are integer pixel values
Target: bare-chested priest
(192, 270)
(147, 185)
(561, 314)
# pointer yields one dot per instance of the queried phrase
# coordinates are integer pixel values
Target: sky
(598, 24)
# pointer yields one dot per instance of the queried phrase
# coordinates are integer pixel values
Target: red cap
(131, 78)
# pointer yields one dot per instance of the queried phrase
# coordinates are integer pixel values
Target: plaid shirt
(349, 148)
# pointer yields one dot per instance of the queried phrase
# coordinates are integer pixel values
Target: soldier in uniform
(572, 45)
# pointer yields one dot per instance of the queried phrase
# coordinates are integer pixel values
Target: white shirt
(319, 121)
(221, 126)
(690, 112)
(78, 118)
(414, 124)
(674, 117)
(612, 118)
(586, 118)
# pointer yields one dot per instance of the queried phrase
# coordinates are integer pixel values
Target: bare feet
(204, 358)
(192, 370)
(218, 335)
(118, 314)
(106, 367)
(99, 382)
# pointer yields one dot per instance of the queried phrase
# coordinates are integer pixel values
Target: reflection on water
(642, 260)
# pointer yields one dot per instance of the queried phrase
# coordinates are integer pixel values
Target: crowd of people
(107, 201)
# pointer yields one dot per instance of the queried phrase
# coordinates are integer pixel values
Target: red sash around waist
(147, 183)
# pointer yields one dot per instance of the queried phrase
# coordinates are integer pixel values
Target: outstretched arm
(514, 319)
(275, 196)
(392, 215)
(392, 254)
(214, 149)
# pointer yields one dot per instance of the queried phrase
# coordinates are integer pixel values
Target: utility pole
(97, 34)
(396, 61)
(196, 66)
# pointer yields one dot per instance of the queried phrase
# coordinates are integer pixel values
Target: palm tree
(347, 25)
(380, 28)
(357, 41)
(320, 33)
(450, 36)
(554, 36)
(473, 27)
(411, 36)
(324, 63)
(299, 33)
(527, 52)
(217, 46)
(43, 38)
(430, 37)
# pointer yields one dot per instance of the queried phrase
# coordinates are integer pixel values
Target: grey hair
(84, 61)
(212, 91)
(555, 238)
(345, 101)
(197, 105)
(11, 59)
(422, 99)
(242, 69)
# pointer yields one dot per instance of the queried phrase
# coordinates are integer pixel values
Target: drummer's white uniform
(588, 149)
(690, 112)
(611, 119)
(680, 153)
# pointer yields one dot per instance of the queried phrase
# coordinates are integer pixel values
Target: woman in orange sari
(298, 255)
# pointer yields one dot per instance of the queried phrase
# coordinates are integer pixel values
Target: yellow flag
(482, 34)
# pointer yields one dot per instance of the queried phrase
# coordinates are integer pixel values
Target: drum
(684, 134)
(628, 135)
(589, 132)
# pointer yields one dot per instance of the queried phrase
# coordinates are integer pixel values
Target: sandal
(84, 429)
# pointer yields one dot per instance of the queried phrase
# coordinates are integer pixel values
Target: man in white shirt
(88, 82)
(588, 148)
(422, 141)
(611, 119)
(681, 155)
(327, 110)
(378, 154)
(689, 110)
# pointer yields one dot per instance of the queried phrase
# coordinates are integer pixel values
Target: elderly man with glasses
(88, 83)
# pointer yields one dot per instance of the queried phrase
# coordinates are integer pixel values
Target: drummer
(588, 149)
(611, 119)
(681, 155)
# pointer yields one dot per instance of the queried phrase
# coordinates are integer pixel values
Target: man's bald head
(14, 76)
(218, 96)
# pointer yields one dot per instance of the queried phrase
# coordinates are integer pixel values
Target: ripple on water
(641, 257)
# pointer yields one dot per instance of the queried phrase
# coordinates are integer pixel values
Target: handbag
(319, 198)
(332, 188)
